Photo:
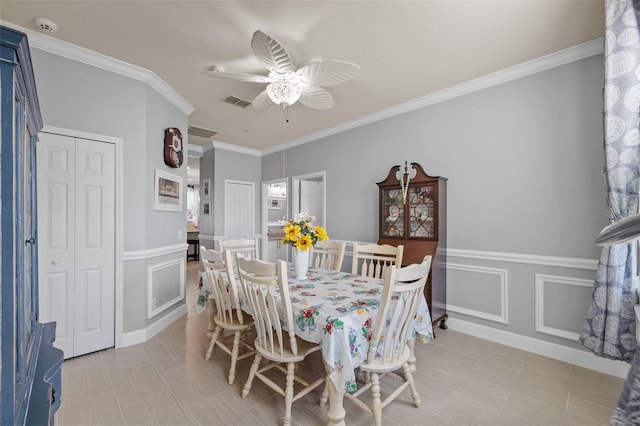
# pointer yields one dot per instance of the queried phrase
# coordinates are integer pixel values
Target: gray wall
(84, 98)
(237, 166)
(524, 161)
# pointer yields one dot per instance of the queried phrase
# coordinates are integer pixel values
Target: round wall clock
(173, 155)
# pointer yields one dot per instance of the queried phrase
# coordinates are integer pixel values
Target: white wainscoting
(530, 259)
(153, 310)
(582, 358)
(543, 280)
(154, 252)
(141, 336)
(171, 315)
(501, 275)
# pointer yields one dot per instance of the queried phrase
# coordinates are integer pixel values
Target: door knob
(54, 262)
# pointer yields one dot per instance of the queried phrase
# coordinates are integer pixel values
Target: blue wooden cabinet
(30, 374)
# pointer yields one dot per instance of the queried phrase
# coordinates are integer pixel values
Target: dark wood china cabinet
(415, 215)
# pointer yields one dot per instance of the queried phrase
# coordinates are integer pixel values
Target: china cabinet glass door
(393, 213)
(422, 220)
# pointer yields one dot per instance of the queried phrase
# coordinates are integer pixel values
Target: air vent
(203, 133)
(236, 101)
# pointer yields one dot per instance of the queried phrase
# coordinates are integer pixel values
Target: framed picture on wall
(274, 203)
(206, 187)
(206, 209)
(168, 191)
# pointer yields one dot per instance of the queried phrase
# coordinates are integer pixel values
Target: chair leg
(211, 310)
(213, 343)
(288, 393)
(375, 395)
(325, 392)
(234, 356)
(252, 374)
(408, 377)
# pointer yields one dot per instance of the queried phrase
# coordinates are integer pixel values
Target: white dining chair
(229, 248)
(247, 247)
(389, 347)
(276, 340)
(373, 260)
(327, 255)
(230, 317)
(211, 259)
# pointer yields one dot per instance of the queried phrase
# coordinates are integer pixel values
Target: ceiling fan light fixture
(284, 92)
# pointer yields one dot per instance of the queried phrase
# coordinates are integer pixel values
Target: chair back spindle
(373, 260)
(271, 313)
(327, 255)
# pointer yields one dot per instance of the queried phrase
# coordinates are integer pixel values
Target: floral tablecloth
(337, 311)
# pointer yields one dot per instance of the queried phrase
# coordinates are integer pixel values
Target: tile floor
(462, 380)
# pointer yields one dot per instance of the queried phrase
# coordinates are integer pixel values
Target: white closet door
(239, 216)
(94, 247)
(76, 220)
(56, 219)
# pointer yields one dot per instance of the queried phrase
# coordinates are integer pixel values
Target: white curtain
(610, 327)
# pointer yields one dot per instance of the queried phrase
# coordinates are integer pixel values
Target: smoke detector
(46, 25)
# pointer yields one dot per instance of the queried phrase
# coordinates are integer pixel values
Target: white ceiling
(406, 50)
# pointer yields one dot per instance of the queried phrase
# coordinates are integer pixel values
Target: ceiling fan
(285, 86)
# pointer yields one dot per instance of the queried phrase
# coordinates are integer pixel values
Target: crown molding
(562, 57)
(234, 148)
(194, 150)
(80, 54)
(107, 63)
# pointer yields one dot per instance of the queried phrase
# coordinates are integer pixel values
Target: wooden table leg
(336, 411)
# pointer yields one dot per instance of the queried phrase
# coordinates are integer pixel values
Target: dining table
(337, 310)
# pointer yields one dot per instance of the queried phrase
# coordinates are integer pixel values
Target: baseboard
(562, 353)
(141, 336)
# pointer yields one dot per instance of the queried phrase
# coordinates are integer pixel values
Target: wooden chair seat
(304, 348)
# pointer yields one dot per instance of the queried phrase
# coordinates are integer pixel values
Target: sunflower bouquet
(300, 232)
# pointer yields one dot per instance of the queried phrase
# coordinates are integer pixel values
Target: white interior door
(239, 211)
(309, 196)
(76, 222)
(312, 199)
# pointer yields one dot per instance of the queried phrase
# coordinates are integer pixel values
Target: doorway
(274, 210)
(239, 213)
(77, 241)
(309, 196)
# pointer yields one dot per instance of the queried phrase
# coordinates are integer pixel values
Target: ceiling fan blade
(262, 100)
(316, 98)
(272, 54)
(330, 72)
(251, 78)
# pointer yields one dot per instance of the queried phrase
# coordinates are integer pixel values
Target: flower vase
(301, 263)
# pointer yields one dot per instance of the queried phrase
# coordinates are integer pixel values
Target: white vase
(301, 263)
